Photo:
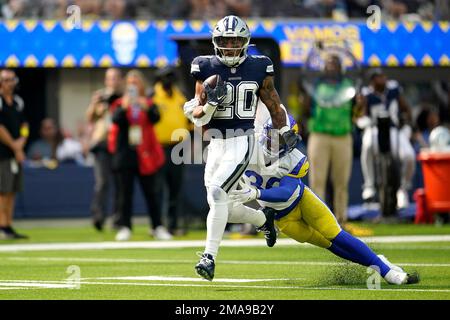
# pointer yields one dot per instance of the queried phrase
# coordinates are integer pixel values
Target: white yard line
(187, 279)
(187, 261)
(26, 284)
(198, 243)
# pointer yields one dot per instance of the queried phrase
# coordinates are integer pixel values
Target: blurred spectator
(201, 9)
(90, 9)
(13, 136)
(170, 100)
(52, 145)
(427, 120)
(14, 9)
(83, 136)
(53, 9)
(119, 9)
(137, 153)
(442, 10)
(328, 8)
(358, 8)
(241, 8)
(98, 114)
(330, 144)
(208, 9)
(410, 9)
(286, 8)
(442, 91)
(45, 147)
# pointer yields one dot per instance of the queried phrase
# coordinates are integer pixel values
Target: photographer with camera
(137, 152)
(99, 116)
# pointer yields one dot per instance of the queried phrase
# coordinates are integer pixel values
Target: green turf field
(282, 272)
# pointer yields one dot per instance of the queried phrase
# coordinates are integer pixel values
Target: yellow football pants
(310, 221)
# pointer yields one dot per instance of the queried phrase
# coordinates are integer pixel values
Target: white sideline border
(199, 243)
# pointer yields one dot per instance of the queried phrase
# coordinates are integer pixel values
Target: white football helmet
(231, 37)
(440, 139)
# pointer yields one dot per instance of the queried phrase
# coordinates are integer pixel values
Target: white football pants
(399, 143)
(226, 162)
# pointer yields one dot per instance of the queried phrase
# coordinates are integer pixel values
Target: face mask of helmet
(272, 145)
(231, 50)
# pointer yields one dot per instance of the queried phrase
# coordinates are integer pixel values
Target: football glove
(245, 194)
(290, 139)
(217, 95)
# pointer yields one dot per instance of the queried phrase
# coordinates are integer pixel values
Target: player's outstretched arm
(282, 193)
(269, 96)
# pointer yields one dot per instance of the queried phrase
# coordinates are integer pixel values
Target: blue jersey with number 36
(243, 82)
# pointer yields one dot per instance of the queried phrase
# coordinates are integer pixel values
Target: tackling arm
(282, 193)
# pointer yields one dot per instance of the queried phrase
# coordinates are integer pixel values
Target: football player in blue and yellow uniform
(299, 213)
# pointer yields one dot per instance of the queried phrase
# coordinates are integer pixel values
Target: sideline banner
(143, 43)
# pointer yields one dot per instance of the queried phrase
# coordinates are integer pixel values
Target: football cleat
(268, 228)
(413, 278)
(399, 278)
(205, 267)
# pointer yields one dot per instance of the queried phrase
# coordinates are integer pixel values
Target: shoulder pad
(198, 67)
(199, 61)
(266, 61)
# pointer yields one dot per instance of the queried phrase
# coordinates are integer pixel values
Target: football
(212, 82)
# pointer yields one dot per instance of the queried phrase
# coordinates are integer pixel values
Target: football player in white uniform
(299, 213)
(230, 112)
(385, 96)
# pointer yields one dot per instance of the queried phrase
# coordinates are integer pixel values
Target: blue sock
(350, 248)
(341, 253)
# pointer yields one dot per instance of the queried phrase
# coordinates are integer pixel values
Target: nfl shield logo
(233, 70)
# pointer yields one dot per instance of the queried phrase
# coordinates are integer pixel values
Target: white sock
(215, 224)
(244, 214)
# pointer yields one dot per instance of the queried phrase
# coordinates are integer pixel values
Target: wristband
(207, 107)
